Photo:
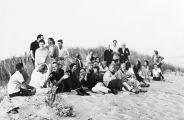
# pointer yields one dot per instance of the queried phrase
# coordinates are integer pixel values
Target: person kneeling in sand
(39, 79)
(17, 85)
(157, 73)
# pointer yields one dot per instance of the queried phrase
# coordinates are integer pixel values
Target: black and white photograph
(91, 60)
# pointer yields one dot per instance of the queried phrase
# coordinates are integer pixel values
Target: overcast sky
(144, 25)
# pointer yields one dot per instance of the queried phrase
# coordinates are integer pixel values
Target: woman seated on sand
(157, 73)
(39, 79)
(146, 71)
(132, 81)
(138, 74)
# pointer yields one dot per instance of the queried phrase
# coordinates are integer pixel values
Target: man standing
(34, 46)
(114, 47)
(124, 53)
(108, 55)
(63, 52)
(157, 59)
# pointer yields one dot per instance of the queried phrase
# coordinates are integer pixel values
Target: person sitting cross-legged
(17, 86)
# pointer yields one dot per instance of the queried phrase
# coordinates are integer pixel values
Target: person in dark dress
(108, 54)
(124, 53)
(34, 46)
(79, 64)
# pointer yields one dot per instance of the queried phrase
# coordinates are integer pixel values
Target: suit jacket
(108, 55)
(124, 54)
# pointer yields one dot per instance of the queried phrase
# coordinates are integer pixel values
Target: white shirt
(114, 48)
(156, 73)
(14, 83)
(37, 79)
(63, 52)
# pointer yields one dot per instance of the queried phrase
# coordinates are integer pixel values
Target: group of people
(110, 74)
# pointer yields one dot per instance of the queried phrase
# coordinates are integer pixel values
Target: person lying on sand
(17, 86)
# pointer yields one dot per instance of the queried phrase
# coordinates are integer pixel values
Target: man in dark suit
(108, 54)
(124, 53)
(79, 64)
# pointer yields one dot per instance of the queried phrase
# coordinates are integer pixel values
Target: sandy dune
(163, 101)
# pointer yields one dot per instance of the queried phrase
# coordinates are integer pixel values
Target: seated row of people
(97, 77)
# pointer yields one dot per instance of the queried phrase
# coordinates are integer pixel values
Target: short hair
(61, 41)
(78, 55)
(42, 41)
(52, 40)
(128, 65)
(96, 67)
(55, 63)
(156, 52)
(71, 65)
(19, 66)
(97, 58)
(83, 69)
(39, 36)
(146, 62)
(114, 40)
(42, 67)
(138, 65)
(155, 64)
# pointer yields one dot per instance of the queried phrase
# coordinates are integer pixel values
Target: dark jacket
(124, 54)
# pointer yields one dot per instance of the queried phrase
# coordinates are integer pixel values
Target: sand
(163, 101)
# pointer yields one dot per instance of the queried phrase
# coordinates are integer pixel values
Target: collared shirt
(63, 52)
(114, 48)
(14, 83)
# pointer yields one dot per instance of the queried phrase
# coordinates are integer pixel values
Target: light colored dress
(42, 56)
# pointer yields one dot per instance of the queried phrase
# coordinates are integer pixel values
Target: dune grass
(7, 66)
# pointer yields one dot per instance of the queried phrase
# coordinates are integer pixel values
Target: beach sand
(163, 101)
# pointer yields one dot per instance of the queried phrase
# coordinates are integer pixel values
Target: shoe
(145, 85)
(143, 90)
(79, 93)
(115, 92)
(87, 94)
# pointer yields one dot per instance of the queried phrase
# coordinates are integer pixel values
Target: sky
(144, 25)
